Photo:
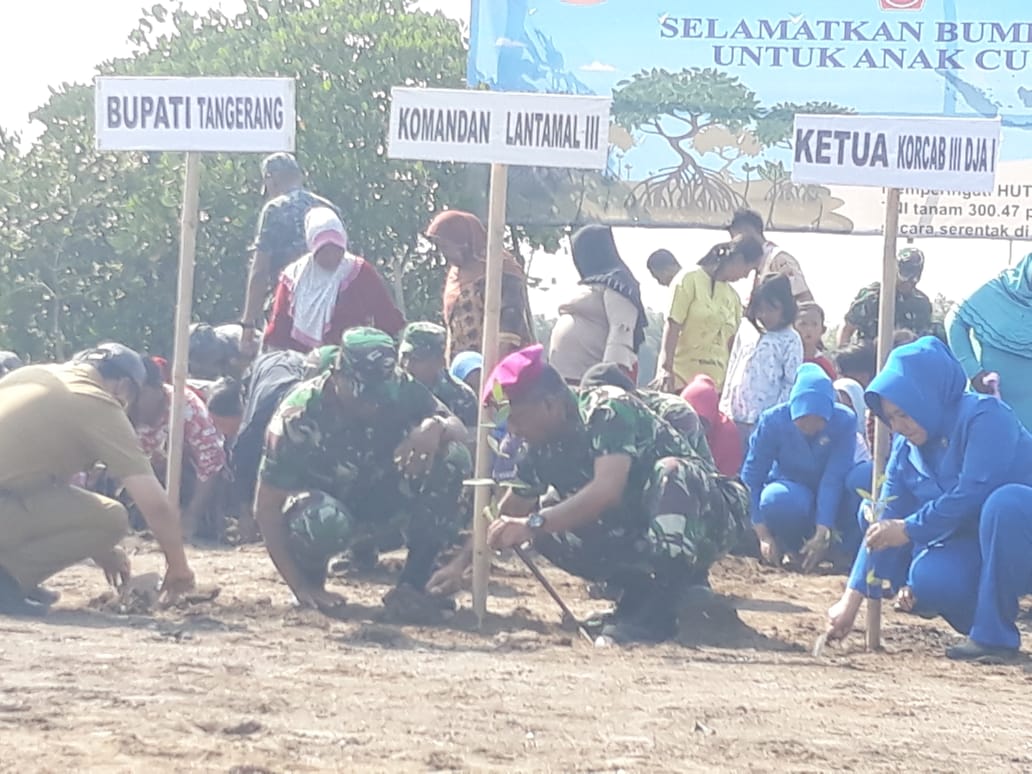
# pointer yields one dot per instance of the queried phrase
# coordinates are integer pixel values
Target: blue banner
(704, 95)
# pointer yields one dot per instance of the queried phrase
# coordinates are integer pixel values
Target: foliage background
(89, 241)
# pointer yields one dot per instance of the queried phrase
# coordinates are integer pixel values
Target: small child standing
(809, 325)
(764, 362)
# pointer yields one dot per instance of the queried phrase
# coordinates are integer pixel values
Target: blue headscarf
(1000, 312)
(924, 379)
(812, 394)
(465, 363)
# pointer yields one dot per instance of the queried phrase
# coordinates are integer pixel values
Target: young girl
(809, 325)
(763, 362)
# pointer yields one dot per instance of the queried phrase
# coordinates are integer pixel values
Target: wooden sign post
(492, 318)
(500, 129)
(195, 115)
(886, 331)
(937, 153)
(184, 305)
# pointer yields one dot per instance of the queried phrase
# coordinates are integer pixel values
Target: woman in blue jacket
(955, 538)
(799, 457)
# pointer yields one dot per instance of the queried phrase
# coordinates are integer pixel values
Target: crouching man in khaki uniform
(56, 421)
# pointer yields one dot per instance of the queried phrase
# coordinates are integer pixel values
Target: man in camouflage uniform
(913, 308)
(673, 409)
(637, 510)
(422, 356)
(281, 236)
(361, 451)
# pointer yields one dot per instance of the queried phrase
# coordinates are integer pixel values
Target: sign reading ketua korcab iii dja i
(195, 114)
(547, 130)
(950, 154)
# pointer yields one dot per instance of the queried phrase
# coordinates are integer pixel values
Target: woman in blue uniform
(955, 538)
(799, 457)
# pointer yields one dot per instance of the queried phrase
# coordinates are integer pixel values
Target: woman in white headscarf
(327, 291)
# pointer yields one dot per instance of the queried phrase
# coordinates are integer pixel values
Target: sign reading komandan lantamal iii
(547, 130)
(705, 94)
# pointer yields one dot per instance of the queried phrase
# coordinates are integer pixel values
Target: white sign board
(540, 130)
(195, 114)
(946, 154)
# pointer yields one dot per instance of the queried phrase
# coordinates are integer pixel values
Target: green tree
(677, 107)
(90, 239)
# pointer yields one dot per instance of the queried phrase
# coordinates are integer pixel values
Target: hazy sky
(36, 52)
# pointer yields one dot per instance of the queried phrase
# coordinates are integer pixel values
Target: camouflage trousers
(428, 512)
(690, 517)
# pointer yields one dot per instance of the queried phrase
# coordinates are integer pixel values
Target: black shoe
(646, 616)
(43, 596)
(13, 600)
(651, 629)
(364, 555)
(969, 650)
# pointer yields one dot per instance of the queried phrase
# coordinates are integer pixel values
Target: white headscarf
(314, 289)
(855, 392)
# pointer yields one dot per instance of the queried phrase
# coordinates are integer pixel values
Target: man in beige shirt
(775, 260)
(55, 422)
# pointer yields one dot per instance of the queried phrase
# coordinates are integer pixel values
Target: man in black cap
(55, 422)
(913, 308)
(281, 236)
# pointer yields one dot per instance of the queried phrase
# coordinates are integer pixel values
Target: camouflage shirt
(310, 445)
(680, 415)
(281, 228)
(458, 397)
(913, 312)
(611, 422)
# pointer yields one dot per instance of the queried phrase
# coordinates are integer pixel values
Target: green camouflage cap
(911, 262)
(423, 340)
(320, 360)
(368, 358)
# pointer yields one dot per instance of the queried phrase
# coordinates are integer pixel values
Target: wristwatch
(536, 524)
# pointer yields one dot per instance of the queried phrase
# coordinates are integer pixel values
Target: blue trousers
(1005, 535)
(788, 509)
(975, 584)
(852, 524)
(943, 577)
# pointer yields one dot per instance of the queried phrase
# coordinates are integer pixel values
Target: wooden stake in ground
(184, 305)
(886, 330)
(492, 315)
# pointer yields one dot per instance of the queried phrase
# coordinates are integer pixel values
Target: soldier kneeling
(360, 452)
(638, 509)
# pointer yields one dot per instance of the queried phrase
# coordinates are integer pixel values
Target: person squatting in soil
(360, 451)
(56, 421)
(637, 510)
(800, 458)
(955, 537)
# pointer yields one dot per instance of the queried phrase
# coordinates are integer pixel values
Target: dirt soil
(247, 684)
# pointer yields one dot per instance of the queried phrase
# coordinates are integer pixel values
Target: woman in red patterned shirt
(204, 452)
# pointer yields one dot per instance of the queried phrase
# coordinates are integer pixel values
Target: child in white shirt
(765, 358)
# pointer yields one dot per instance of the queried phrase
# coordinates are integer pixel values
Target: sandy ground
(248, 684)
